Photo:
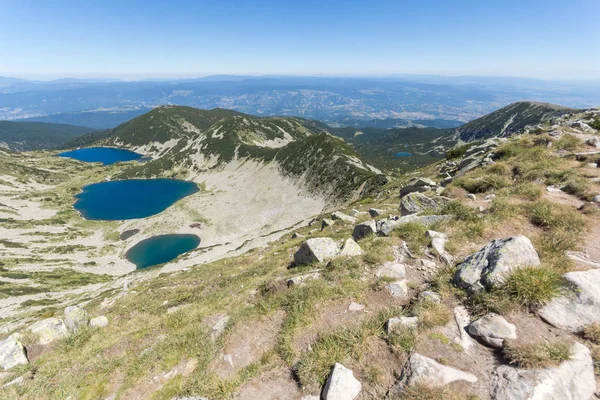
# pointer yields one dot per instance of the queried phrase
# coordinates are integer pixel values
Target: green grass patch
(538, 355)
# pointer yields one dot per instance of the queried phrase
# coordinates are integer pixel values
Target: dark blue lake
(131, 198)
(161, 249)
(105, 155)
(403, 154)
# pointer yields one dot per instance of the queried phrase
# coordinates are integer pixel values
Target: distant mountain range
(26, 136)
(385, 102)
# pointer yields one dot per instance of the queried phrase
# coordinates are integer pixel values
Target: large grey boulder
(365, 229)
(75, 318)
(49, 330)
(338, 215)
(350, 249)
(426, 370)
(12, 353)
(579, 308)
(571, 380)
(416, 202)
(493, 329)
(417, 185)
(490, 265)
(341, 385)
(316, 250)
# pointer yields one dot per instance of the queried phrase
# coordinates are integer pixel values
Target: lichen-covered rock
(341, 385)
(12, 353)
(580, 308)
(316, 250)
(49, 330)
(416, 202)
(571, 380)
(350, 249)
(99, 322)
(493, 329)
(365, 229)
(490, 265)
(75, 318)
(338, 215)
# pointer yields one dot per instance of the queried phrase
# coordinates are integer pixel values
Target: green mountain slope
(26, 136)
(185, 141)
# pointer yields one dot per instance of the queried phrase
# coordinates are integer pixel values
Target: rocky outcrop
(49, 330)
(75, 318)
(571, 380)
(316, 250)
(581, 307)
(493, 329)
(341, 385)
(416, 202)
(490, 265)
(12, 353)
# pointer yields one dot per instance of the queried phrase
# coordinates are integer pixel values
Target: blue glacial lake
(105, 155)
(403, 154)
(131, 198)
(161, 249)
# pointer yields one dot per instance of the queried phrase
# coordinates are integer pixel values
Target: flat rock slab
(580, 308)
(571, 380)
(428, 371)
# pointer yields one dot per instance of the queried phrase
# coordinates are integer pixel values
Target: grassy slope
(143, 340)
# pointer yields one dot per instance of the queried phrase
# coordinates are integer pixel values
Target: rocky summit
(310, 273)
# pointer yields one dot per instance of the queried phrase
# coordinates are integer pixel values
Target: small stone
(493, 329)
(396, 322)
(326, 223)
(376, 212)
(596, 198)
(219, 327)
(350, 249)
(365, 229)
(553, 189)
(341, 384)
(592, 165)
(356, 307)
(75, 318)
(489, 197)
(430, 296)
(343, 217)
(99, 322)
(472, 196)
(297, 235)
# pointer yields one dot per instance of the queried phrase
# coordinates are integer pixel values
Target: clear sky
(44, 39)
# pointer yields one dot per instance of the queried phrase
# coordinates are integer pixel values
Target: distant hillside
(510, 119)
(189, 141)
(26, 136)
(95, 119)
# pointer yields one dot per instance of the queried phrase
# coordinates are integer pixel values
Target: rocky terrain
(475, 277)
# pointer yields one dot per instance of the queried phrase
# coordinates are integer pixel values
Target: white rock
(493, 329)
(12, 353)
(571, 380)
(350, 249)
(297, 235)
(553, 189)
(341, 385)
(99, 322)
(463, 319)
(316, 250)
(428, 371)
(579, 309)
(394, 323)
(75, 318)
(327, 223)
(489, 197)
(490, 265)
(472, 196)
(392, 270)
(49, 330)
(356, 307)
(343, 217)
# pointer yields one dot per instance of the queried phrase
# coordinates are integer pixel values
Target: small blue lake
(105, 155)
(403, 154)
(131, 198)
(161, 249)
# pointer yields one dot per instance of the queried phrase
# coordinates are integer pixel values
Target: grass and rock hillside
(475, 277)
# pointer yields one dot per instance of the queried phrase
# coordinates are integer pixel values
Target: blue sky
(550, 39)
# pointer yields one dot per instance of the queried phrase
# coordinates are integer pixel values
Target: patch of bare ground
(563, 198)
(247, 343)
(145, 389)
(333, 315)
(277, 384)
(378, 369)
